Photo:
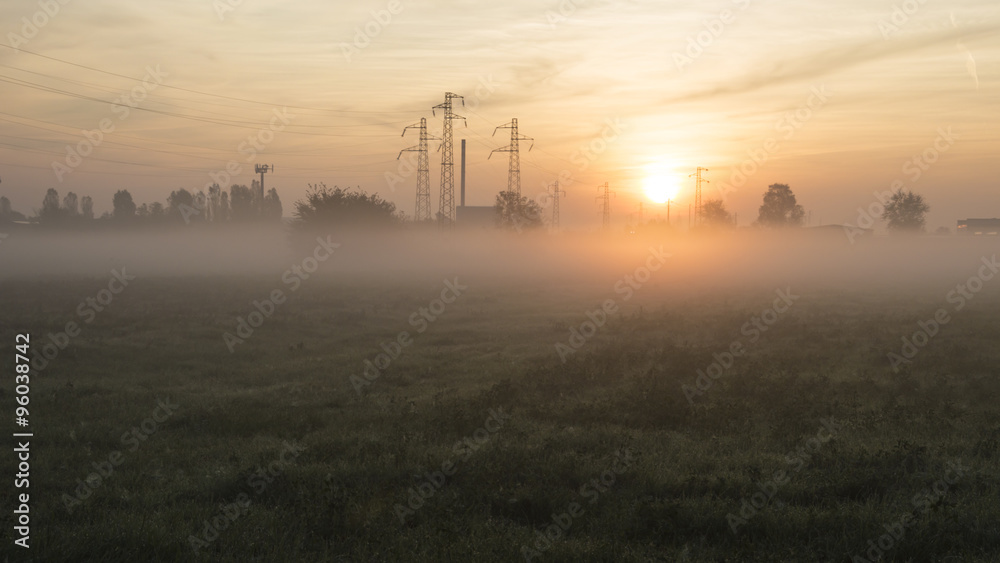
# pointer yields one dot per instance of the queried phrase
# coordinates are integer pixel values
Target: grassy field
(154, 442)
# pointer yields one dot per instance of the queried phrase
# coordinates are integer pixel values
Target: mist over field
(571, 281)
(697, 264)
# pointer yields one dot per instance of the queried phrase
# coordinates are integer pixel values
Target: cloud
(830, 61)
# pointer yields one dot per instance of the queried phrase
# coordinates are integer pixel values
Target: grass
(692, 465)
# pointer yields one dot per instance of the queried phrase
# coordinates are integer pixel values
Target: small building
(981, 227)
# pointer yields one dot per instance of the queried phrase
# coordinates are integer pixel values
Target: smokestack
(463, 172)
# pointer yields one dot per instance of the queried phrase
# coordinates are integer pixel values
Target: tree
(51, 211)
(124, 207)
(222, 213)
(714, 213)
(271, 209)
(338, 207)
(7, 213)
(779, 208)
(241, 203)
(180, 205)
(905, 212)
(156, 210)
(71, 205)
(87, 207)
(517, 213)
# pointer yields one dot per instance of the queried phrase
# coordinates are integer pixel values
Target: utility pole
(422, 212)
(555, 204)
(697, 195)
(606, 196)
(446, 209)
(259, 196)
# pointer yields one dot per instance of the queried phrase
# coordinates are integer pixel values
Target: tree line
(238, 205)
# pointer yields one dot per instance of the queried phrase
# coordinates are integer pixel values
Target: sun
(660, 184)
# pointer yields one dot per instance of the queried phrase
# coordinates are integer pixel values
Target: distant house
(981, 227)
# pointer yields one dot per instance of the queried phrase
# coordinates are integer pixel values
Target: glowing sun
(660, 184)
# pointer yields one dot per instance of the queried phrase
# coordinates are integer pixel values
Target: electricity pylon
(514, 169)
(423, 208)
(606, 196)
(555, 204)
(697, 194)
(446, 209)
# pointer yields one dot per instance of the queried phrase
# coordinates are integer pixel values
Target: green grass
(692, 464)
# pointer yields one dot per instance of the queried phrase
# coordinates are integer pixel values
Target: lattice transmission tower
(697, 194)
(446, 210)
(606, 197)
(514, 168)
(555, 204)
(422, 211)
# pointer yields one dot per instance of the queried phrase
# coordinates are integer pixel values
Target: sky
(837, 100)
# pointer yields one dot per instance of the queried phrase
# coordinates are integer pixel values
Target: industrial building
(981, 227)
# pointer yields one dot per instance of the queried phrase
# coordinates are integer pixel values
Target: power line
(221, 96)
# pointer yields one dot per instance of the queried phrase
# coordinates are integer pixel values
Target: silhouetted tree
(214, 201)
(180, 206)
(51, 210)
(124, 207)
(714, 213)
(779, 208)
(87, 207)
(7, 213)
(344, 208)
(905, 212)
(156, 210)
(241, 203)
(223, 213)
(517, 213)
(272, 206)
(142, 211)
(71, 205)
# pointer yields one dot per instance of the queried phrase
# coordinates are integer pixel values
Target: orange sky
(669, 86)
